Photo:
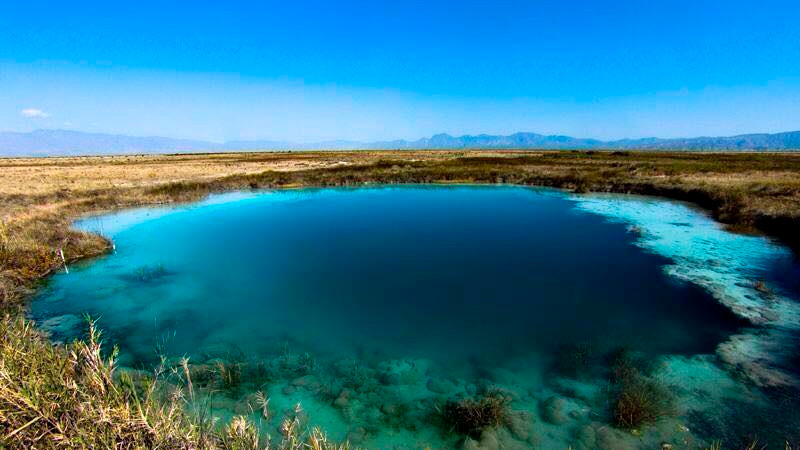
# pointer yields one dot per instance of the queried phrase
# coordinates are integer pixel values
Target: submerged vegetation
(470, 416)
(74, 396)
(640, 401)
(636, 398)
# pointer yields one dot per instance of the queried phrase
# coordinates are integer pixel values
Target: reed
(73, 396)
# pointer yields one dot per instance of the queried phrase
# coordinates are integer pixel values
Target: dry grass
(67, 397)
(73, 397)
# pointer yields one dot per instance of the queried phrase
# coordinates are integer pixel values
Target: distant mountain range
(70, 143)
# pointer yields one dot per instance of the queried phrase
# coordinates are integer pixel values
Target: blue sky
(307, 71)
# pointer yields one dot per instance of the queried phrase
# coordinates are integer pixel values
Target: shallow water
(373, 306)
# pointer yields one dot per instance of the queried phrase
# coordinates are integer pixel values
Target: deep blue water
(456, 273)
(467, 278)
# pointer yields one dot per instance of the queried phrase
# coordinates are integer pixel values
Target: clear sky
(308, 71)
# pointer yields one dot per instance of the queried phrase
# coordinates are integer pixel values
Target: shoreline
(59, 209)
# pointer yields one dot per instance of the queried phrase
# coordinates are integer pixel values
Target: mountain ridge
(75, 143)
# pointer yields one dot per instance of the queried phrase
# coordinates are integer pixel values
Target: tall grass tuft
(73, 396)
(60, 397)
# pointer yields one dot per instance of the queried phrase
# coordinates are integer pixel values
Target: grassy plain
(39, 197)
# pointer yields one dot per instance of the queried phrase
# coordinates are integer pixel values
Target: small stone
(507, 441)
(373, 417)
(611, 439)
(343, 400)
(587, 436)
(521, 425)
(489, 440)
(440, 386)
(390, 378)
(469, 444)
(666, 446)
(552, 410)
(357, 435)
(304, 381)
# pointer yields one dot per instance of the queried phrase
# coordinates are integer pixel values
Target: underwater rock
(401, 371)
(441, 385)
(419, 417)
(507, 441)
(359, 434)
(585, 392)
(586, 437)
(147, 274)
(469, 444)
(489, 440)
(306, 381)
(60, 327)
(373, 417)
(372, 397)
(520, 423)
(553, 410)
(390, 409)
(390, 378)
(494, 439)
(671, 433)
(343, 400)
(575, 414)
(763, 356)
(612, 439)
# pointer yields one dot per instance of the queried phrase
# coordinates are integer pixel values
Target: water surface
(421, 287)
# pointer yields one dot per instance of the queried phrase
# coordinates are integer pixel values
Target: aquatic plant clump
(636, 398)
(640, 401)
(148, 274)
(471, 416)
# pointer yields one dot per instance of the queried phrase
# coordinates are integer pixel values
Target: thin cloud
(34, 113)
